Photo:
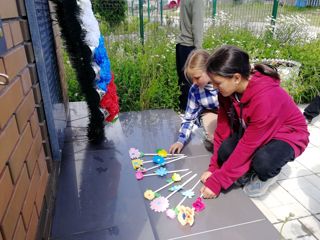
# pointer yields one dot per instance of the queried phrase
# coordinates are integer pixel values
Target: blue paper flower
(158, 160)
(176, 187)
(189, 193)
(161, 172)
(102, 59)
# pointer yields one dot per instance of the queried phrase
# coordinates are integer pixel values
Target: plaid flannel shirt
(199, 99)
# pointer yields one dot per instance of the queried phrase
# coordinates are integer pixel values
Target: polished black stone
(99, 198)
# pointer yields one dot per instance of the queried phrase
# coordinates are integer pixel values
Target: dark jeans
(267, 161)
(313, 109)
(182, 53)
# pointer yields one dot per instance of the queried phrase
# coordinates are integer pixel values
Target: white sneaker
(257, 188)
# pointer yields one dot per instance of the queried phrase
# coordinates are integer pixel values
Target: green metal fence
(144, 17)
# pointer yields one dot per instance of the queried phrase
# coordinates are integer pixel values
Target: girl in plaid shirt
(202, 101)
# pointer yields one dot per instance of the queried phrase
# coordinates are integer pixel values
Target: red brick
(10, 99)
(37, 93)
(8, 140)
(21, 8)
(2, 70)
(7, 35)
(20, 232)
(44, 130)
(8, 9)
(29, 52)
(32, 228)
(42, 163)
(31, 196)
(16, 32)
(15, 60)
(20, 153)
(34, 153)
(6, 187)
(25, 110)
(41, 190)
(26, 80)
(11, 217)
(34, 123)
(25, 30)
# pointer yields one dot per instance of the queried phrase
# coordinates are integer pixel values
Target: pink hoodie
(269, 113)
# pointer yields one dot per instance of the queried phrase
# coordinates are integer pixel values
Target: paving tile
(314, 135)
(265, 210)
(304, 191)
(292, 170)
(313, 224)
(310, 159)
(293, 230)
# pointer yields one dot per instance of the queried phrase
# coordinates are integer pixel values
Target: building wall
(26, 166)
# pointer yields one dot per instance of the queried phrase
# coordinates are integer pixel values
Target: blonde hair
(197, 60)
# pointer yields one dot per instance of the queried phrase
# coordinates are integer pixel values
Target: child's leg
(209, 123)
(269, 159)
(226, 148)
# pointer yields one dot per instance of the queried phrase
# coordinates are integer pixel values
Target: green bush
(146, 75)
(111, 11)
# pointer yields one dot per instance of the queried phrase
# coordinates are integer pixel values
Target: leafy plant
(111, 11)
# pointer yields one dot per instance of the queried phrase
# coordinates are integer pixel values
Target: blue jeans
(267, 161)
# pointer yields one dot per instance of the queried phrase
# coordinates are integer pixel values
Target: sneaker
(242, 181)
(257, 188)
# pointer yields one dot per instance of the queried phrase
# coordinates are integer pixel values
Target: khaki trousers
(209, 124)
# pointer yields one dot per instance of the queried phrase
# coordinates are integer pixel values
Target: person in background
(259, 129)
(190, 37)
(202, 102)
(312, 110)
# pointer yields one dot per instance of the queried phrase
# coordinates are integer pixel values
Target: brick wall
(25, 194)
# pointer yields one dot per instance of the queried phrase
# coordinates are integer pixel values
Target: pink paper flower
(139, 175)
(134, 153)
(198, 205)
(171, 213)
(159, 204)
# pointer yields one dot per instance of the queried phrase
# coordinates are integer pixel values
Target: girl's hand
(205, 176)
(207, 193)
(176, 148)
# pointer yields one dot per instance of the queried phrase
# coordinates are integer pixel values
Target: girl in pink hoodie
(259, 129)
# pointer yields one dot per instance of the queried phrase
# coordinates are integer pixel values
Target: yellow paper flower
(176, 177)
(149, 194)
(137, 163)
(185, 215)
(162, 153)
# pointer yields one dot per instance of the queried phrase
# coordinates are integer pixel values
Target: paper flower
(134, 153)
(174, 188)
(149, 194)
(161, 172)
(171, 213)
(137, 163)
(158, 160)
(176, 177)
(198, 205)
(159, 204)
(162, 152)
(189, 193)
(139, 175)
(169, 180)
(185, 215)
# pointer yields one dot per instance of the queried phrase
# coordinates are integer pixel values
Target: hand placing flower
(207, 193)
